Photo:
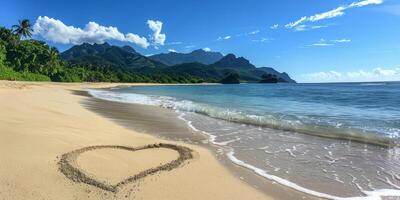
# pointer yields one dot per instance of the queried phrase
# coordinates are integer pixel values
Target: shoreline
(227, 158)
(40, 122)
(127, 115)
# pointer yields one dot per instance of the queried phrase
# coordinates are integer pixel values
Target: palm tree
(53, 53)
(23, 28)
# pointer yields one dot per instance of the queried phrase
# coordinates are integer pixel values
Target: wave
(372, 84)
(369, 195)
(189, 106)
(269, 121)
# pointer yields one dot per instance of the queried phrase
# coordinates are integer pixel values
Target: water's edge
(126, 115)
(230, 155)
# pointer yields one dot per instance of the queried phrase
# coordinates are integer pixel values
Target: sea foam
(183, 106)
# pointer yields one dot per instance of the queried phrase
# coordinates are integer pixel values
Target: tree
(23, 28)
(268, 78)
(231, 78)
(2, 54)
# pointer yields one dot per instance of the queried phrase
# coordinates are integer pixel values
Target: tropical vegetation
(24, 58)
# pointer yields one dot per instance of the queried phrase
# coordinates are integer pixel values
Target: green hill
(126, 59)
(200, 56)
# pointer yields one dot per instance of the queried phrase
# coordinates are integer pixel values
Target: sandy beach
(41, 122)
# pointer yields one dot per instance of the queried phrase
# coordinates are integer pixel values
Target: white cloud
(262, 40)
(206, 49)
(173, 43)
(376, 74)
(296, 23)
(172, 50)
(365, 3)
(323, 42)
(157, 37)
(254, 32)
(56, 31)
(339, 11)
(304, 27)
(323, 76)
(227, 37)
(275, 26)
(224, 38)
(341, 40)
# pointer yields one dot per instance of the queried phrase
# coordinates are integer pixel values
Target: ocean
(331, 140)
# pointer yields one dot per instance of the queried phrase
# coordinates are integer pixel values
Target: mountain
(125, 57)
(125, 60)
(231, 62)
(269, 70)
(200, 56)
(248, 71)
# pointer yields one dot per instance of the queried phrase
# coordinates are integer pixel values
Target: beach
(265, 134)
(41, 122)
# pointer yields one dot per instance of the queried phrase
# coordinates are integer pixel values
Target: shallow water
(269, 129)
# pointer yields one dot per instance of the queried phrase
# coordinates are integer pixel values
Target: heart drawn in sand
(68, 165)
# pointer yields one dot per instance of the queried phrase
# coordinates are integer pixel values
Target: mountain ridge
(126, 58)
(199, 55)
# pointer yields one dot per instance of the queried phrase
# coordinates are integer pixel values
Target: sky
(311, 40)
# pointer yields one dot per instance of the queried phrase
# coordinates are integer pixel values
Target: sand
(41, 122)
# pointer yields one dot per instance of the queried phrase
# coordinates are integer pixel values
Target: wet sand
(164, 123)
(42, 122)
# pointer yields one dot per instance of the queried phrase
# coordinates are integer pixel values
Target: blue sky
(314, 41)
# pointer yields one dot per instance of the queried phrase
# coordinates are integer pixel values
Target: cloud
(262, 40)
(376, 74)
(254, 32)
(325, 75)
(322, 76)
(206, 49)
(337, 12)
(275, 26)
(304, 27)
(172, 50)
(341, 40)
(56, 31)
(157, 37)
(323, 42)
(224, 38)
(173, 43)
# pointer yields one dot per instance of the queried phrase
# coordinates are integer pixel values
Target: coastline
(135, 105)
(42, 121)
(141, 118)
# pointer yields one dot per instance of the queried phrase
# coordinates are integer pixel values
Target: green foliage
(23, 28)
(268, 78)
(33, 56)
(11, 75)
(231, 78)
(2, 54)
(32, 60)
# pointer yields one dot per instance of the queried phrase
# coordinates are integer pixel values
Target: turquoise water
(370, 111)
(274, 130)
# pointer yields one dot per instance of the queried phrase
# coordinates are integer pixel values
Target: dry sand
(40, 122)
